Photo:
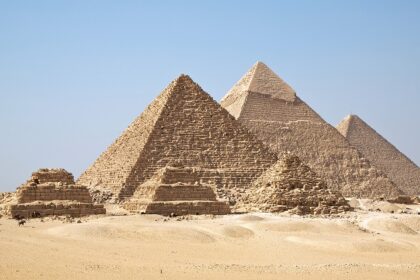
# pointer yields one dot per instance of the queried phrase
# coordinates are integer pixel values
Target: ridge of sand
(360, 245)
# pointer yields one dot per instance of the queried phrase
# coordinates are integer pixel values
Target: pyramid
(291, 185)
(176, 191)
(53, 192)
(398, 167)
(271, 110)
(182, 126)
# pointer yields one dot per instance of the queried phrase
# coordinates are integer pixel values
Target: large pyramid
(398, 167)
(182, 126)
(275, 114)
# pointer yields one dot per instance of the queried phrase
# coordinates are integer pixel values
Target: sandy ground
(362, 245)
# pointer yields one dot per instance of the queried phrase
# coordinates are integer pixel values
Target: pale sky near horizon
(74, 74)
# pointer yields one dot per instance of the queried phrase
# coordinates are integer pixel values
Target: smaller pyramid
(176, 191)
(53, 192)
(291, 185)
(398, 167)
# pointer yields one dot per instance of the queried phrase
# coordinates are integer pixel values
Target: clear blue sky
(74, 74)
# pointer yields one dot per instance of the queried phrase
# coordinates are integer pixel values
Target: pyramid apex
(262, 80)
(183, 78)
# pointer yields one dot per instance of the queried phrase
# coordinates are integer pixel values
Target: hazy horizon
(75, 74)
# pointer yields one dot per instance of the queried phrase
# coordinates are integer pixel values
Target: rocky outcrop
(291, 185)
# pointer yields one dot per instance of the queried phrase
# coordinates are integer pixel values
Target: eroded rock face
(291, 185)
(52, 175)
(53, 192)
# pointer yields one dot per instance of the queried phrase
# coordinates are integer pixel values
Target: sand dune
(363, 245)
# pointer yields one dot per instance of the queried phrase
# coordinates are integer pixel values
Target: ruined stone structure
(182, 125)
(53, 192)
(291, 185)
(398, 167)
(276, 115)
(177, 191)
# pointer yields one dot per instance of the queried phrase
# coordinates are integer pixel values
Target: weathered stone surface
(290, 125)
(291, 185)
(178, 191)
(182, 125)
(59, 175)
(405, 199)
(399, 168)
(60, 196)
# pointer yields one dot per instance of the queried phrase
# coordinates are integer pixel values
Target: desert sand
(357, 245)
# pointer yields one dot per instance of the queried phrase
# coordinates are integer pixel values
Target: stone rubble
(292, 186)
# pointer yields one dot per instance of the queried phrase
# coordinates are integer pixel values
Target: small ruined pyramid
(270, 109)
(182, 126)
(398, 167)
(291, 185)
(176, 191)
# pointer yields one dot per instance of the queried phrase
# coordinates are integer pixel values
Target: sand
(362, 245)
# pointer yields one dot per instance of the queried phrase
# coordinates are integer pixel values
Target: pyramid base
(179, 208)
(63, 208)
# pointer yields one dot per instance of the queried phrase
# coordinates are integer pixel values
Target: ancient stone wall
(52, 191)
(45, 175)
(263, 107)
(398, 167)
(188, 208)
(39, 209)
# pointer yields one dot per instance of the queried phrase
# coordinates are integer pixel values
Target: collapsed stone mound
(270, 109)
(177, 191)
(182, 124)
(291, 185)
(51, 175)
(53, 192)
(397, 166)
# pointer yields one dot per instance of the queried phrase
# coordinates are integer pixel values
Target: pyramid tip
(183, 78)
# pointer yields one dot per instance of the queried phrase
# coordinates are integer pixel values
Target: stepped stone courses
(398, 167)
(182, 125)
(273, 112)
(291, 185)
(53, 192)
(178, 191)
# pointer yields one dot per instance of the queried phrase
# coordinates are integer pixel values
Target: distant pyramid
(271, 110)
(398, 167)
(182, 126)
